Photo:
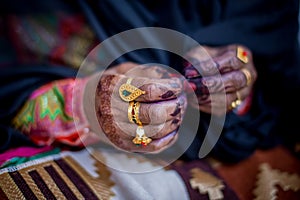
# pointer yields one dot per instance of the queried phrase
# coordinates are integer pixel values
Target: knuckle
(234, 61)
(157, 114)
(150, 89)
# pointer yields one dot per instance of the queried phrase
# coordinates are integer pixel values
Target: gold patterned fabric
(58, 178)
(90, 174)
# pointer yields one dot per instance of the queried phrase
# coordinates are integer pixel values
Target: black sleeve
(270, 29)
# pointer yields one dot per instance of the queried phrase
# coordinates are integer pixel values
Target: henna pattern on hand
(157, 92)
(103, 109)
(177, 110)
(204, 67)
(163, 73)
(175, 121)
(168, 94)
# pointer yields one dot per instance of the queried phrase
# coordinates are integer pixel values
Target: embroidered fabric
(54, 114)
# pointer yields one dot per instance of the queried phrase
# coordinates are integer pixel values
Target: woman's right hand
(161, 108)
(221, 77)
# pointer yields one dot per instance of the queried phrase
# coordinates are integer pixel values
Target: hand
(220, 71)
(161, 107)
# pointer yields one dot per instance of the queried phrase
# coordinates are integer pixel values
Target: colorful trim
(57, 178)
(48, 115)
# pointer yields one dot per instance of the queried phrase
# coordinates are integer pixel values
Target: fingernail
(176, 111)
(208, 83)
(191, 73)
(187, 64)
(189, 86)
(175, 121)
(167, 94)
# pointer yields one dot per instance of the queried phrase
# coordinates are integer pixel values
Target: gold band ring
(237, 102)
(129, 92)
(130, 111)
(133, 116)
(247, 74)
(133, 112)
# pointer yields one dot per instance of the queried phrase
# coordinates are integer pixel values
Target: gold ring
(237, 102)
(130, 111)
(242, 54)
(133, 116)
(140, 137)
(129, 92)
(133, 112)
(247, 74)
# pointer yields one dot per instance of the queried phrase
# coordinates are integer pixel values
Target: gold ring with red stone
(242, 54)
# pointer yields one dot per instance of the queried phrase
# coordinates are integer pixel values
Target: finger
(244, 93)
(201, 61)
(220, 101)
(223, 59)
(156, 132)
(136, 70)
(149, 71)
(160, 112)
(200, 68)
(219, 106)
(227, 58)
(155, 89)
(161, 89)
(152, 131)
(124, 140)
(157, 145)
(228, 62)
(159, 131)
(228, 82)
(151, 113)
(164, 143)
